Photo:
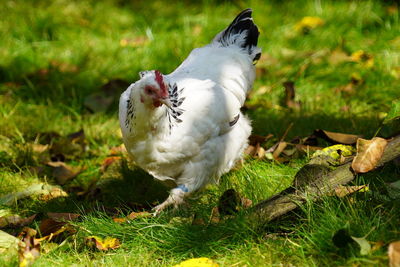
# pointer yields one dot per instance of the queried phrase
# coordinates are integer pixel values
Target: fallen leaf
(337, 138)
(278, 150)
(63, 216)
(135, 42)
(196, 30)
(198, 220)
(342, 191)
(63, 66)
(108, 161)
(69, 147)
(246, 203)
(63, 172)
(260, 153)
(138, 215)
(9, 245)
(369, 152)
(350, 88)
(394, 254)
(254, 139)
(363, 58)
(392, 9)
(377, 245)
(338, 56)
(307, 148)
(49, 226)
(306, 24)
(118, 150)
(103, 244)
(250, 150)
(53, 193)
(33, 190)
(52, 229)
(30, 251)
(215, 217)
(197, 262)
(332, 155)
(290, 94)
(39, 148)
(120, 220)
(365, 246)
(14, 221)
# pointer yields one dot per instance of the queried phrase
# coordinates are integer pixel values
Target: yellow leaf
(103, 244)
(363, 58)
(308, 23)
(342, 190)
(198, 262)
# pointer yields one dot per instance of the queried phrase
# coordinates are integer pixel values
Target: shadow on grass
(125, 189)
(276, 122)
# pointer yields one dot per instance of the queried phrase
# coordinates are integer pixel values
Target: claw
(176, 198)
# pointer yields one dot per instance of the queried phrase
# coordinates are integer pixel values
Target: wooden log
(322, 183)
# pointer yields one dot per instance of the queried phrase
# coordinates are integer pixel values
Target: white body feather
(215, 80)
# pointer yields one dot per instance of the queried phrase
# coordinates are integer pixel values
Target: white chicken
(187, 126)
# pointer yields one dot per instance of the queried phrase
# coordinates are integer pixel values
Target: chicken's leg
(176, 198)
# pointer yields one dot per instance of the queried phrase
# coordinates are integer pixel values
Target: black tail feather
(243, 22)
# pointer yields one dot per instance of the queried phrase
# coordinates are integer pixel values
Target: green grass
(56, 53)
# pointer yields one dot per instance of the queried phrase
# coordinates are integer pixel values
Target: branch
(320, 182)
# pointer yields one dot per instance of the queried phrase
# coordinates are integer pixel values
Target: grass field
(61, 58)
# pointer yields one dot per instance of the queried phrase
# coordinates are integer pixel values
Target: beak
(166, 102)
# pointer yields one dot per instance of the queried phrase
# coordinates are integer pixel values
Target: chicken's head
(154, 89)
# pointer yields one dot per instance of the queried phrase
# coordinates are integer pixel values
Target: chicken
(187, 126)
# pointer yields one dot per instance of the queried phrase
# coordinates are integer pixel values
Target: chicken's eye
(148, 91)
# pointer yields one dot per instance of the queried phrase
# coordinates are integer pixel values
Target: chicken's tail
(241, 32)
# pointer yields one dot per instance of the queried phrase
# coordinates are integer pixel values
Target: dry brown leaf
(39, 148)
(369, 152)
(30, 250)
(53, 193)
(254, 139)
(246, 203)
(63, 172)
(215, 217)
(63, 66)
(134, 42)
(307, 148)
(290, 94)
(120, 220)
(338, 56)
(197, 220)
(260, 153)
(138, 215)
(108, 161)
(14, 221)
(394, 254)
(342, 190)
(118, 150)
(63, 216)
(250, 150)
(103, 244)
(278, 150)
(337, 138)
(48, 226)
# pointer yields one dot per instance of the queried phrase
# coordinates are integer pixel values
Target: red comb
(160, 82)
